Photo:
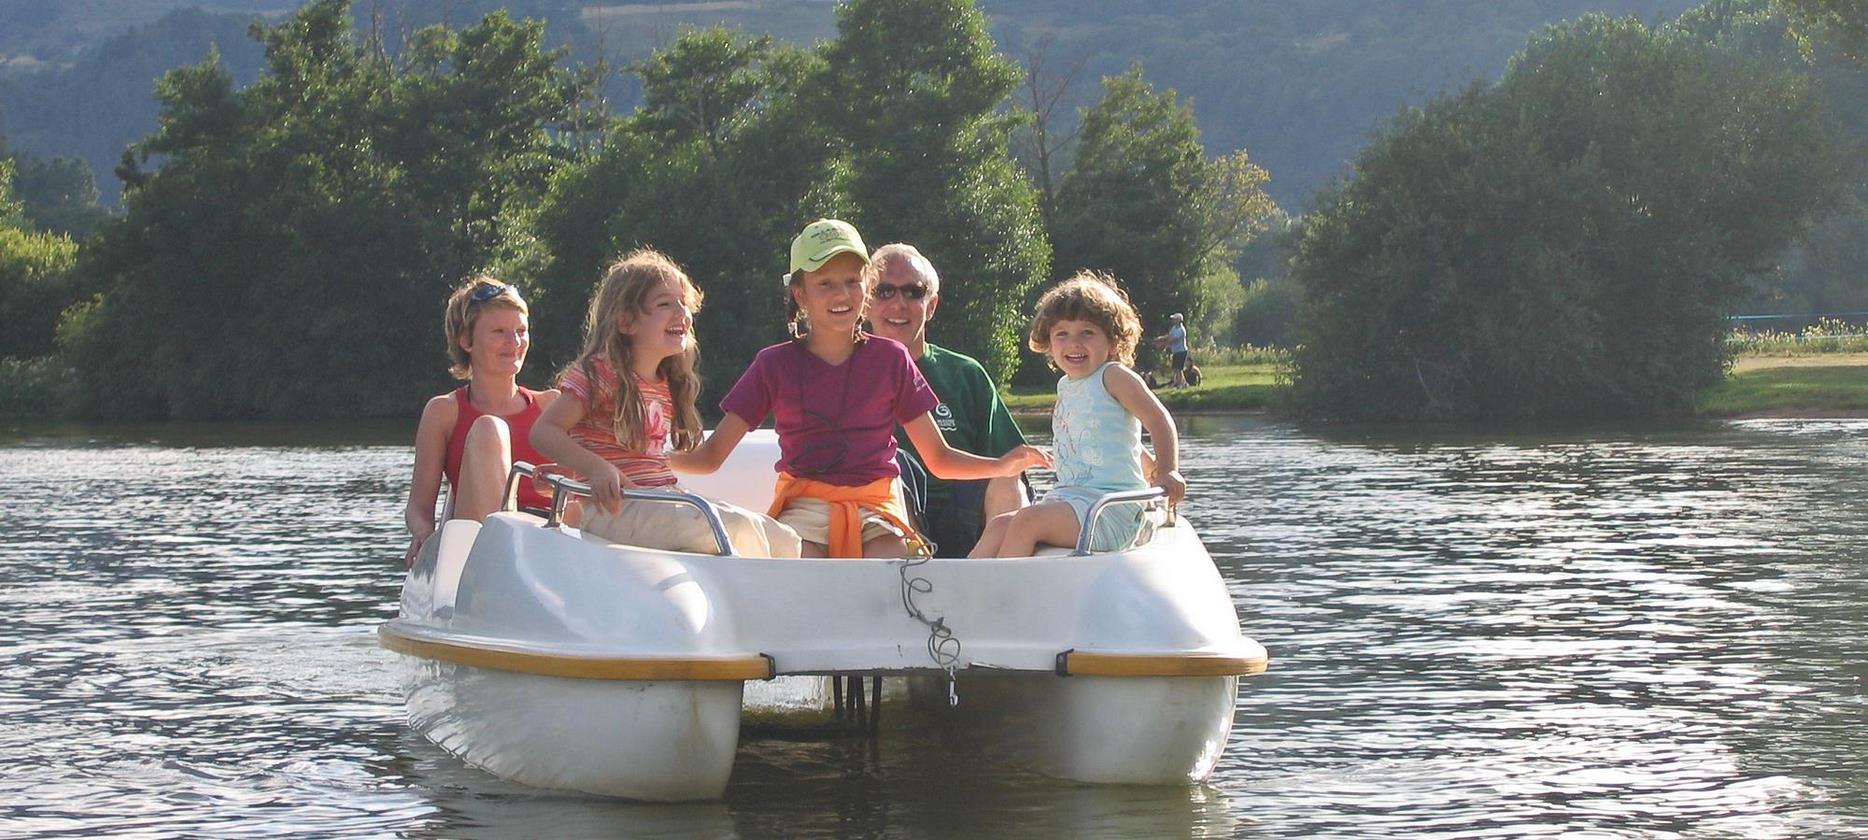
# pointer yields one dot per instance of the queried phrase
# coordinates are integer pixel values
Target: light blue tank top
(1096, 443)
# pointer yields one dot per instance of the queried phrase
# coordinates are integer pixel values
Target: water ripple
(1607, 633)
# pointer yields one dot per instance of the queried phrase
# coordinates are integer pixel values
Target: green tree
(35, 277)
(1824, 271)
(1566, 242)
(1845, 22)
(12, 211)
(1143, 202)
(290, 255)
(1268, 309)
(914, 90)
(739, 143)
(58, 195)
(715, 170)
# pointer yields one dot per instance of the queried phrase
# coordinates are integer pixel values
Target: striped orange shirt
(647, 467)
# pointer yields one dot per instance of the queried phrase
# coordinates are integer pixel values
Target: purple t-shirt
(836, 423)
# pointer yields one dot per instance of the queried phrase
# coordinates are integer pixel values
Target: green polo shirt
(970, 415)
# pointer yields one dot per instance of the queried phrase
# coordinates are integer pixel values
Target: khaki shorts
(668, 526)
(809, 518)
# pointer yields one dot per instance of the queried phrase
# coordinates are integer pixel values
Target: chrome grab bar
(1123, 497)
(564, 487)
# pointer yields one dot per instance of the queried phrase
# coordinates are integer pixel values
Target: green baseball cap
(823, 239)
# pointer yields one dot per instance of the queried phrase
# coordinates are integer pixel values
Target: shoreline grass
(1832, 384)
(1817, 385)
(1251, 386)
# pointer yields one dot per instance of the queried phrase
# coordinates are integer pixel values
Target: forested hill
(1299, 85)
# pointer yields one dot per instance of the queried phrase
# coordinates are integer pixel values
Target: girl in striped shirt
(628, 404)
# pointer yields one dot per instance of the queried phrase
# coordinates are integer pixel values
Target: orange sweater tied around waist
(846, 518)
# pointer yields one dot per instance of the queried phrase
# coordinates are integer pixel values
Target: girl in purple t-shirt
(835, 395)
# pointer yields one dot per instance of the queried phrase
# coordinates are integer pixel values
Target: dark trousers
(953, 523)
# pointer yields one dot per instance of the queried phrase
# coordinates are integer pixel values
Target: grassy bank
(1810, 385)
(1825, 384)
(1251, 386)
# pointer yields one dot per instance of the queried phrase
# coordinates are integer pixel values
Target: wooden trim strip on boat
(1080, 663)
(750, 667)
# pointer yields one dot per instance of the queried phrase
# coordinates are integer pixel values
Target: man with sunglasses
(970, 415)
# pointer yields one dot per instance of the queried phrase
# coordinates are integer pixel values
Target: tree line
(1300, 84)
(1569, 240)
(1512, 249)
(284, 245)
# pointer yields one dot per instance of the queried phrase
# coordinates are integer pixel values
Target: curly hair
(1091, 296)
(473, 295)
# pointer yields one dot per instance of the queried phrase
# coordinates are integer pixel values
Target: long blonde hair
(625, 289)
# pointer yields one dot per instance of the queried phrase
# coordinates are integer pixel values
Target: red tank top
(521, 426)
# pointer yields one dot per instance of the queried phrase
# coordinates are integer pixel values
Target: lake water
(1628, 632)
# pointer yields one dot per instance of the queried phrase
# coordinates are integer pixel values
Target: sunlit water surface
(1626, 632)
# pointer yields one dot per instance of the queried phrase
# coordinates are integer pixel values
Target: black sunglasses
(914, 291)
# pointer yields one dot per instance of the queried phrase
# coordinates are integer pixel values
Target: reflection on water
(1629, 631)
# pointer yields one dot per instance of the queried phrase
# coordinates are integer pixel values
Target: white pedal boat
(561, 662)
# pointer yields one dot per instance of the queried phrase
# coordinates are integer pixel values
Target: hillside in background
(55, 34)
(1299, 85)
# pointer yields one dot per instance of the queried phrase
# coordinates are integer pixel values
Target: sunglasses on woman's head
(914, 291)
(486, 293)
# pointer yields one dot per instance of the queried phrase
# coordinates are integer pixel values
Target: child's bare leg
(885, 546)
(992, 536)
(484, 462)
(1003, 495)
(1050, 523)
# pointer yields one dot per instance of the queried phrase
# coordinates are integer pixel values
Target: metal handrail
(564, 487)
(1124, 497)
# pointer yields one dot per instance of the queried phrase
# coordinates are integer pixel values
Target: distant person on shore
(471, 435)
(970, 415)
(1175, 342)
(1089, 331)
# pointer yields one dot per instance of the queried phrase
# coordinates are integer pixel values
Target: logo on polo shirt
(943, 418)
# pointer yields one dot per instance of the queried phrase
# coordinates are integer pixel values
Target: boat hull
(1100, 730)
(660, 741)
(569, 663)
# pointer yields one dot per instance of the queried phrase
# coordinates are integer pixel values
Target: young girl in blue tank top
(1088, 329)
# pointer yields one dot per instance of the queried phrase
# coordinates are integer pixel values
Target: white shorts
(1119, 528)
(671, 526)
(809, 518)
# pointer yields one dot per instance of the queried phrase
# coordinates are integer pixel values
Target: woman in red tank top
(472, 434)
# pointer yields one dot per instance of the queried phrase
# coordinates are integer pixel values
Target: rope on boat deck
(943, 648)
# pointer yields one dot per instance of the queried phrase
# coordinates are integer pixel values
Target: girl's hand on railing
(542, 474)
(1175, 486)
(606, 488)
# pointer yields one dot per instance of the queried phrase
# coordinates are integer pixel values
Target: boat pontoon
(564, 662)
